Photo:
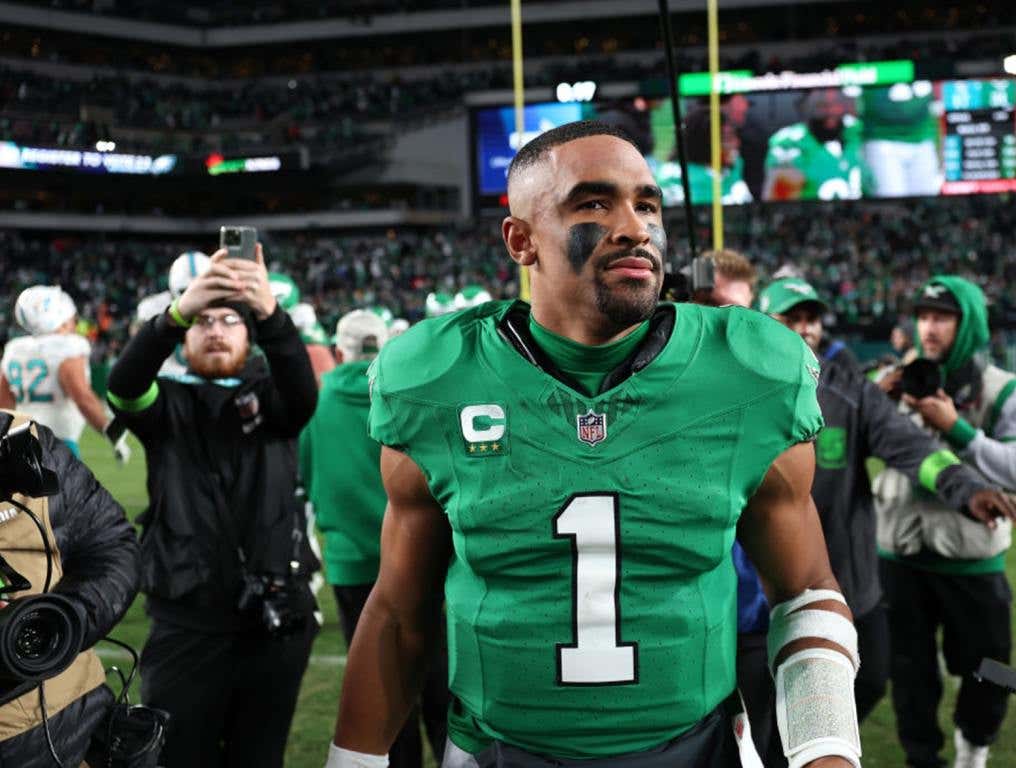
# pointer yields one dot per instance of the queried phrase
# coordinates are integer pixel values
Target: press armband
(815, 710)
(347, 758)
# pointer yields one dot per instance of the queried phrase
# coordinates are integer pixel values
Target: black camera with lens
(40, 635)
(690, 283)
(922, 378)
(278, 603)
(21, 469)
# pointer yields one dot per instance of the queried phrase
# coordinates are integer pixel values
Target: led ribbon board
(48, 158)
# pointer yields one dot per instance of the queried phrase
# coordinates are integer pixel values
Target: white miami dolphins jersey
(31, 365)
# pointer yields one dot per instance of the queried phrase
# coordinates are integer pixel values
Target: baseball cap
(284, 289)
(937, 296)
(471, 296)
(439, 303)
(303, 315)
(360, 333)
(781, 296)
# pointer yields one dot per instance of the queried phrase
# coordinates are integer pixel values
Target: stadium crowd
(867, 257)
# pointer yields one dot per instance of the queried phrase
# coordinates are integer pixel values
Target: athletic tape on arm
(815, 710)
(347, 758)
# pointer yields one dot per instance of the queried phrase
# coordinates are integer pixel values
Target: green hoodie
(340, 466)
(972, 335)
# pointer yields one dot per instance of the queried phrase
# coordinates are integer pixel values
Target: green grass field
(315, 712)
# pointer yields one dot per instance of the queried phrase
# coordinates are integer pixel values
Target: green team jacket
(591, 594)
(340, 467)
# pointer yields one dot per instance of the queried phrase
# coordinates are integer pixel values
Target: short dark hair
(534, 151)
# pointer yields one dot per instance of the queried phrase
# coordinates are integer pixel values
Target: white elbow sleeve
(815, 710)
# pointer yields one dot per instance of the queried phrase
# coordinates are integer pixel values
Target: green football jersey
(591, 595)
(900, 112)
(832, 170)
(341, 469)
(733, 189)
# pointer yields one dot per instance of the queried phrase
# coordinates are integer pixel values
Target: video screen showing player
(818, 158)
(900, 130)
(841, 142)
(698, 149)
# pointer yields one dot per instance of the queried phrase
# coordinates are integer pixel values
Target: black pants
(973, 612)
(756, 683)
(230, 696)
(873, 648)
(407, 751)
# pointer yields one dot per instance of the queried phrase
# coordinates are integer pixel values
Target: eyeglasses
(207, 322)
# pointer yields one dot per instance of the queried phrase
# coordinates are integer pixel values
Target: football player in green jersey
(901, 139)
(733, 189)
(568, 478)
(819, 158)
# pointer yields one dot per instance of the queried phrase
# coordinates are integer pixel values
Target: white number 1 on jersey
(597, 656)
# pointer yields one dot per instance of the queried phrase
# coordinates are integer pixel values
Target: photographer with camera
(226, 561)
(69, 567)
(940, 569)
(861, 422)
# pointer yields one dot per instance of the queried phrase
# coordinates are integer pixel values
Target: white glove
(116, 433)
(347, 758)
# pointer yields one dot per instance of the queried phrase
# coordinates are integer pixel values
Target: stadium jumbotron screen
(905, 139)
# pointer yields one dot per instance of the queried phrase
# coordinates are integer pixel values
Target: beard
(630, 301)
(823, 132)
(209, 366)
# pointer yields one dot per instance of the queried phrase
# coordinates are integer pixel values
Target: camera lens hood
(40, 636)
(922, 378)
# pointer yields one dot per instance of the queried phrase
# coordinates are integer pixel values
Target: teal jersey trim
(190, 378)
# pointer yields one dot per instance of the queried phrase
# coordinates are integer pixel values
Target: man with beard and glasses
(819, 158)
(567, 478)
(225, 558)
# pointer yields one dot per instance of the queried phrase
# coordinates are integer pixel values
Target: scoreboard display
(979, 139)
(832, 135)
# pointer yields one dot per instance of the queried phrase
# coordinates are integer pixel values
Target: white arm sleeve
(995, 456)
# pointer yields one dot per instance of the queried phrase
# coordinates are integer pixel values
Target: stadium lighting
(581, 91)
(1009, 64)
(105, 146)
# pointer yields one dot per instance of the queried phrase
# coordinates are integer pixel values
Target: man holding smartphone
(226, 562)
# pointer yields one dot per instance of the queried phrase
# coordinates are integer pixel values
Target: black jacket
(860, 422)
(99, 553)
(222, 470)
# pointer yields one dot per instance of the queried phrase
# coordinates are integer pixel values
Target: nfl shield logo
(592, 427)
